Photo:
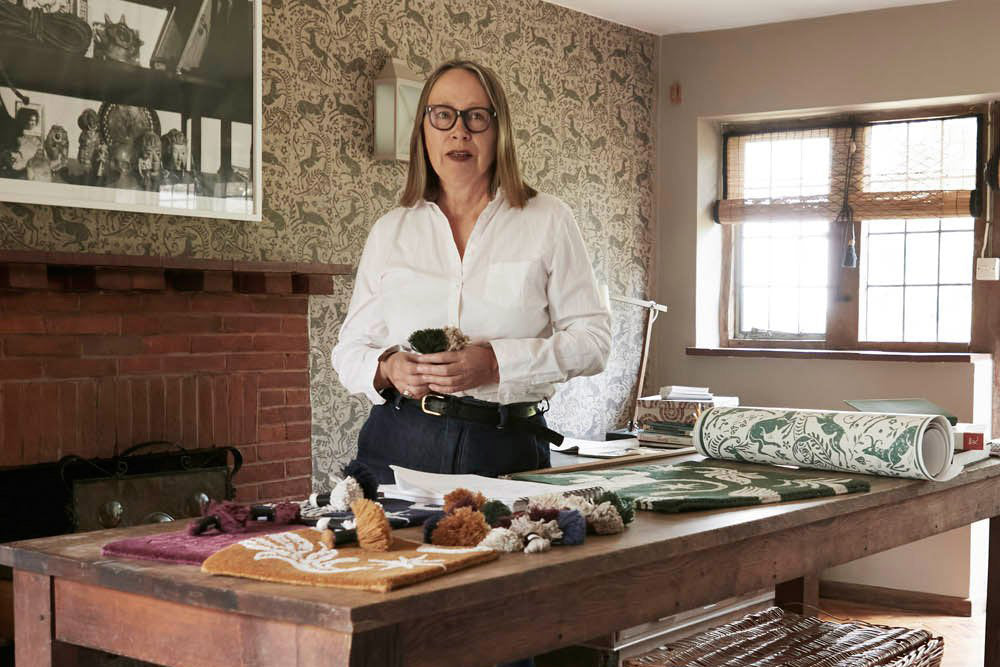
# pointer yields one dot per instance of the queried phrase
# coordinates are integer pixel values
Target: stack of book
(675, 392)
(669, 422)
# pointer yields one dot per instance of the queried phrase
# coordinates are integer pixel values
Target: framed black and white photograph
(140, 105)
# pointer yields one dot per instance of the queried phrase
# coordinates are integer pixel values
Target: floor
(963, 637)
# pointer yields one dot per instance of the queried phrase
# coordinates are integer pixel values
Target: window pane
(884, 259)
(754, 263)
(812, 310)
(955, 319)
(757, 170)
(922, 155)
(948, 224)
(920, 322)
(754, 309)
(885, 226)
(923, 163)
(884, 321)
(959, 154)
(748, 229)
(923, 225)
(784, 261)
(888, 158)
(956, 257)
(784, 310)
(921, 259)
(813, 260)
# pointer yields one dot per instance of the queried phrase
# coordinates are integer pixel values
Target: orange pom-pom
(465, 528)
(373, 529)
(463, 498)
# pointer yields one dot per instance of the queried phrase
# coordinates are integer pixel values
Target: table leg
(32, 619)
(799, 596)
(992, 649)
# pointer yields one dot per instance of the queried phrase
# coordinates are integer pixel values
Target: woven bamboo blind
(914, 169)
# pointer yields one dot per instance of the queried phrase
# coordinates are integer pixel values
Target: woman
(472, 246)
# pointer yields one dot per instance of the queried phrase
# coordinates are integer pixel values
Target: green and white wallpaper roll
(891, 445)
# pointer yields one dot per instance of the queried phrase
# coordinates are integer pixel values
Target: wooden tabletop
(652, 537)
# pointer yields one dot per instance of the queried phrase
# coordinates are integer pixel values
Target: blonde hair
(421, 179)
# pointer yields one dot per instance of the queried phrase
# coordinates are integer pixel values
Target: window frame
(843, 301)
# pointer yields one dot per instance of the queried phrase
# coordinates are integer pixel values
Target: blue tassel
(430, 524)
(573, 527)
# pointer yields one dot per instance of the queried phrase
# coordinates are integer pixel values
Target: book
(656, 409)
(969, 436)
(681, 389)
(665, 438)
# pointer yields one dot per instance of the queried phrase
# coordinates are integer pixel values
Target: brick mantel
(100, 352)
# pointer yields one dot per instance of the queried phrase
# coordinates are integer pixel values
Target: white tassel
(503, 540)
(537, 544)
(344, 493)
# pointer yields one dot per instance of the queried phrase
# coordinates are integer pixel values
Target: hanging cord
(61, 31)
(846, 214)
(991, 177)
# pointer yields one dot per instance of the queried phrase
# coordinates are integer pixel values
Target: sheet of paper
(596, 447)
(432, 485)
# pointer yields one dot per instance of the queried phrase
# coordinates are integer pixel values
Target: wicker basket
(775, 638)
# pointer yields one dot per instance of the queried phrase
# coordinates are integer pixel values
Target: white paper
(432, 487)
(595, 447)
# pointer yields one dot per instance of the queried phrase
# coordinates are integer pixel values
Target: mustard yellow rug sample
(299, 557)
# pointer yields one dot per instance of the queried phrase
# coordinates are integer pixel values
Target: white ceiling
(664, 17)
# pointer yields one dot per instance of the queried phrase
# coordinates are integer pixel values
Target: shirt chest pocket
(519, 284)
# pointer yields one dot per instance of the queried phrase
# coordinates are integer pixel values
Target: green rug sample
(705, 485)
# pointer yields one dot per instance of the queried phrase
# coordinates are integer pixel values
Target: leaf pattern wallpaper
(582, 93)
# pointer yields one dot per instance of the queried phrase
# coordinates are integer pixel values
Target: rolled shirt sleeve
(581, 323)
(363, 335)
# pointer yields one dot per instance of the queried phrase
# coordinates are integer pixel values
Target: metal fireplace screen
(78, 494)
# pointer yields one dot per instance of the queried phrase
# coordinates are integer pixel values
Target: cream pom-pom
(503, 540)
(605, 520)
(345, 492)
(537, 544)
(524, 526)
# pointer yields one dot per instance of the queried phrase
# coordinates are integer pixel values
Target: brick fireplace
(98, 353)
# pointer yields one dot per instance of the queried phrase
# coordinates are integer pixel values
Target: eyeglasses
(444, 117)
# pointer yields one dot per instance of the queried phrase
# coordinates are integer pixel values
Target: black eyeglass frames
(444, 117)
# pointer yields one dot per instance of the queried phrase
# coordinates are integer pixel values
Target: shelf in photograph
(31, 68)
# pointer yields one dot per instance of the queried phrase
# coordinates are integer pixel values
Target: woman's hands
(399, 370)
(450, 372)
(416, 375)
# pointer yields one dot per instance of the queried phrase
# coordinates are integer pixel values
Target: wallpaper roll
(891, 445)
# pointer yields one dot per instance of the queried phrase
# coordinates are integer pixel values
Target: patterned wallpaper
(582, 93)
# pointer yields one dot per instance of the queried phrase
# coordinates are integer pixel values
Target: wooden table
(517, 606)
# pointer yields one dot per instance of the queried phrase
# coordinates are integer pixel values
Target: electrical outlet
(988, 268)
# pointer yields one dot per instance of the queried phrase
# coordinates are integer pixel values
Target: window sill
(842, 355)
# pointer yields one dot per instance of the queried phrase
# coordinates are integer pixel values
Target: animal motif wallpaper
(582, 92)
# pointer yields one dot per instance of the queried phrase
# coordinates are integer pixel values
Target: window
(911, 186)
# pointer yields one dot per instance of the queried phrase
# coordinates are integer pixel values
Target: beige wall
(895, 57)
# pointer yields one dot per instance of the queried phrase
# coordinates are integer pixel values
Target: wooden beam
(992, 649)
(32, 619)
(799, 596)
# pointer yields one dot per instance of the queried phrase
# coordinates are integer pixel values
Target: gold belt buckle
(425, 409)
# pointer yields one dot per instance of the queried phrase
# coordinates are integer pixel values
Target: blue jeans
(407, 437)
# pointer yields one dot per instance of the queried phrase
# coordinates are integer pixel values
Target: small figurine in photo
(90, 139)
(148, 163)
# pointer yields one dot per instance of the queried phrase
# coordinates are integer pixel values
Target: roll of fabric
(891, 445)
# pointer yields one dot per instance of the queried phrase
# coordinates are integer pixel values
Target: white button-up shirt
(525, 285)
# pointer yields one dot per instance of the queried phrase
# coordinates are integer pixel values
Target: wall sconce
(397, 92)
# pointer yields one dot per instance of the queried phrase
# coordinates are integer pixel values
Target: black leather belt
(514, 416)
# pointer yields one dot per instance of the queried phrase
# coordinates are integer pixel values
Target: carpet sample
(299, 557)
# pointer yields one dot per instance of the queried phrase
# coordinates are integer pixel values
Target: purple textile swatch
(179, 547)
